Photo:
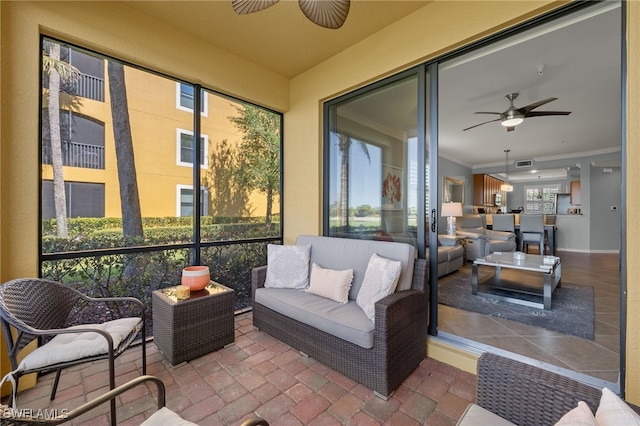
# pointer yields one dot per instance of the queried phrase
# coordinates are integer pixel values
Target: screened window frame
(197, 245)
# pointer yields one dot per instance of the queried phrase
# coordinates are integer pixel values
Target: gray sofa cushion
(346, 321)
(344, 253)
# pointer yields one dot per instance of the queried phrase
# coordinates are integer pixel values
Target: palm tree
(344, 145)
(58, 71)
(127, 177)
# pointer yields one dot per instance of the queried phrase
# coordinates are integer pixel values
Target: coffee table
(186, 329)
(529, 282)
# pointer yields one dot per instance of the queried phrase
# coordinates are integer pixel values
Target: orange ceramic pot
(196, 277)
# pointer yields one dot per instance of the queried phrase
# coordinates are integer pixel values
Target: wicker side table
(186, 329)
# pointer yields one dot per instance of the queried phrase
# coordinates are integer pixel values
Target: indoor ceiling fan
(326, 13)
(514, 116)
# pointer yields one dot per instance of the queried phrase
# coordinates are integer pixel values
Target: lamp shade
(451, 209)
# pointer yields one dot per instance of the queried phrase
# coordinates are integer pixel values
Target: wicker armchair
(163, 416)
(36, 308)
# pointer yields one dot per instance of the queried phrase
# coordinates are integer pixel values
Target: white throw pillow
(329, 283)
(614, 411)
(288, 266)
(380, 280)
(579, 416)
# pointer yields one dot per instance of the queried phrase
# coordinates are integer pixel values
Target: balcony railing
(86, 86)
(76, 154)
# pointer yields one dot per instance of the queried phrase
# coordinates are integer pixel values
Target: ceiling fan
(514, 116)
(326, 13)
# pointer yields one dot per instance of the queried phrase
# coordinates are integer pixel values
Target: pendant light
(506, 187)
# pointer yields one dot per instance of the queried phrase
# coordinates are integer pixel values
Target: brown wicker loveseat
(400, 327)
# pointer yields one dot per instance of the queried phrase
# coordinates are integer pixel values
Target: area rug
(572, 310)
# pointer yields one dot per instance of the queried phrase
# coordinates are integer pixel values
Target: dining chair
(504, 222)
(35, 309)
(531, 231)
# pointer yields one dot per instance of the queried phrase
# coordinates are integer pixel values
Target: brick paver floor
(258, 375)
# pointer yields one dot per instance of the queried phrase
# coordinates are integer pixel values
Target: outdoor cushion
(345, 253)
(579, 416)
(346, 321)
(380, 280)
(331, 284)
(287, 266)
(166, 417)
(71, 346)
(613, 411)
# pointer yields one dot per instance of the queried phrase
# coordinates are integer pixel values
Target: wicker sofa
(397, 336)
(510, 392)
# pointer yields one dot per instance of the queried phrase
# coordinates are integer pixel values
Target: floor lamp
(450, 211)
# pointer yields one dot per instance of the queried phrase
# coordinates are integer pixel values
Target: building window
(90, 81)
(185, 201)
(540, 199)
(185, 146)
(185, 99)
(83, 199)
(82, 140)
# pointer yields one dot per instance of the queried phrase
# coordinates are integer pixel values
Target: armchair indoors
(32, 308)
(481, 242)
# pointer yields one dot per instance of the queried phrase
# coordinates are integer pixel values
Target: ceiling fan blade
(326, 13)
(487, 112)
(490, 121)
(244, 7)
(543, 113)
(525, 109)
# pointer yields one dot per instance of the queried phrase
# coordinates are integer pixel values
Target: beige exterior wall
(155, 120)
(110, 28)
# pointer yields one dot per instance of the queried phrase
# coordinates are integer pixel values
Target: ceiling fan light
(510, 122)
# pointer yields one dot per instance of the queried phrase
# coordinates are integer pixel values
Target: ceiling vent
(524, 163)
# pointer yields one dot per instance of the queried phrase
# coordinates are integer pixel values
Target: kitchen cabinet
(485, 188)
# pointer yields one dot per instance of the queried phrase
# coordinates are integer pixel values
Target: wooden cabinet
(575, 192)
(485, 188)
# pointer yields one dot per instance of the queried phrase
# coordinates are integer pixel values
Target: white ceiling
(581, 68)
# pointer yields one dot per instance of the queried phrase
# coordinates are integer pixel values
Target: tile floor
(258, 375)
(598, 358)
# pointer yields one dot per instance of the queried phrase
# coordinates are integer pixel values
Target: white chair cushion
(71, 346)
(166, 417)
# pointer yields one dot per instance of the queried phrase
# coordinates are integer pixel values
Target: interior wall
(424, 34)
(605, 223)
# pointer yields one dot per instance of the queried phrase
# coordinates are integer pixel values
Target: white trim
(205, 199)
(205, 103)
(204, 137)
